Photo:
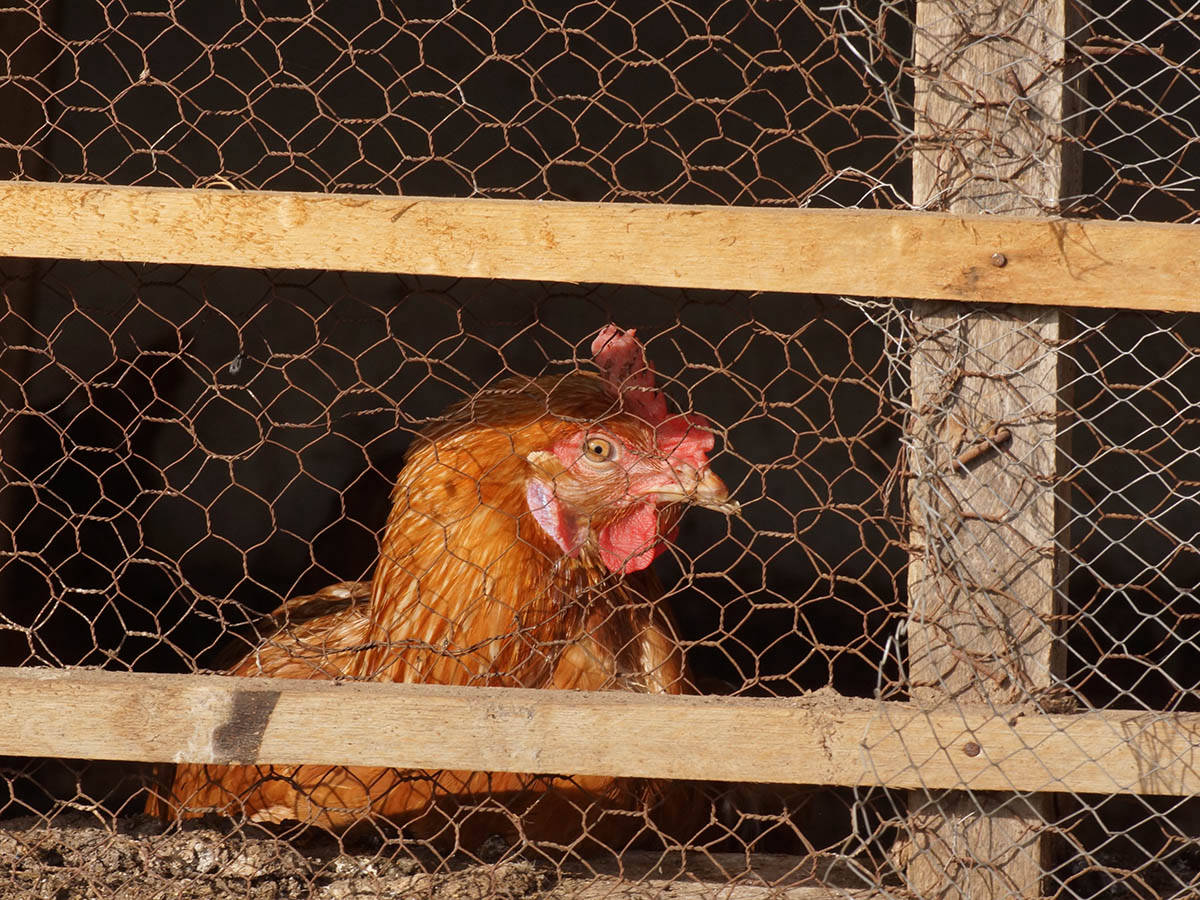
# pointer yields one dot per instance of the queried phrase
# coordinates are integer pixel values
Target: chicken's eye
(597, 449)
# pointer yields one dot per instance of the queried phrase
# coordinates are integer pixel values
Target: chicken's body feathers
(476, 586)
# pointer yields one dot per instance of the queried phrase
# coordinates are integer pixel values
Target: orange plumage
(515, 554)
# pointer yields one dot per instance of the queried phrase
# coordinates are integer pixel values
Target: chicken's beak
(710, 492)
(701, 489)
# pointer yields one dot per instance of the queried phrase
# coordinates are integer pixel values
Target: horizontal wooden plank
(869, 253)
(816, 739)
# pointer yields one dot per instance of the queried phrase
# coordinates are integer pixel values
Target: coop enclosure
(926, 267)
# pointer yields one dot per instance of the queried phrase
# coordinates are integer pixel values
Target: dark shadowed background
(183, 447)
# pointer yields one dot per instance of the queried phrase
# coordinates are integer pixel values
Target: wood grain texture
(854, 252)
(819, 738)
(992, 98)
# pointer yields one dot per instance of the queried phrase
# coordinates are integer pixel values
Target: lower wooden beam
(819, 738)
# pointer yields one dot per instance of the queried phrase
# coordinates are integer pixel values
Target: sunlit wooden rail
(870, 253)
(815, 739)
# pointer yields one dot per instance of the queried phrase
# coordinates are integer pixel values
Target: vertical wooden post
(987, 567)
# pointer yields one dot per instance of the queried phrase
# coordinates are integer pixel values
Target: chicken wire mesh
(186, 448)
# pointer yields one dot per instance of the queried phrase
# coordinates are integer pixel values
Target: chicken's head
(616, 486)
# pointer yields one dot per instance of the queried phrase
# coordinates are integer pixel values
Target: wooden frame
(810, 740)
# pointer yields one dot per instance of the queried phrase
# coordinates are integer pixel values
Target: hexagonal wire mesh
(186, 448)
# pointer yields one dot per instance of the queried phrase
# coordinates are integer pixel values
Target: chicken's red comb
(622, 359)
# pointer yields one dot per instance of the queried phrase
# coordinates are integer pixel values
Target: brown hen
(516, 554)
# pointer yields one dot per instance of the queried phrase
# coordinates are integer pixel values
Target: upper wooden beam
(869, 253)
(817, 739)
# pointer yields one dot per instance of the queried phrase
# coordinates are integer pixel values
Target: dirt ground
(134, 858)
(79, 855)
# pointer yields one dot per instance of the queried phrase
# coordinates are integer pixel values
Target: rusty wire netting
(748, 104)
(184, 448)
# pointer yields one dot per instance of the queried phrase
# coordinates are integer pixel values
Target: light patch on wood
(207, 711)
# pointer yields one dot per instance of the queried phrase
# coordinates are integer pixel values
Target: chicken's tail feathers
(158, 790)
